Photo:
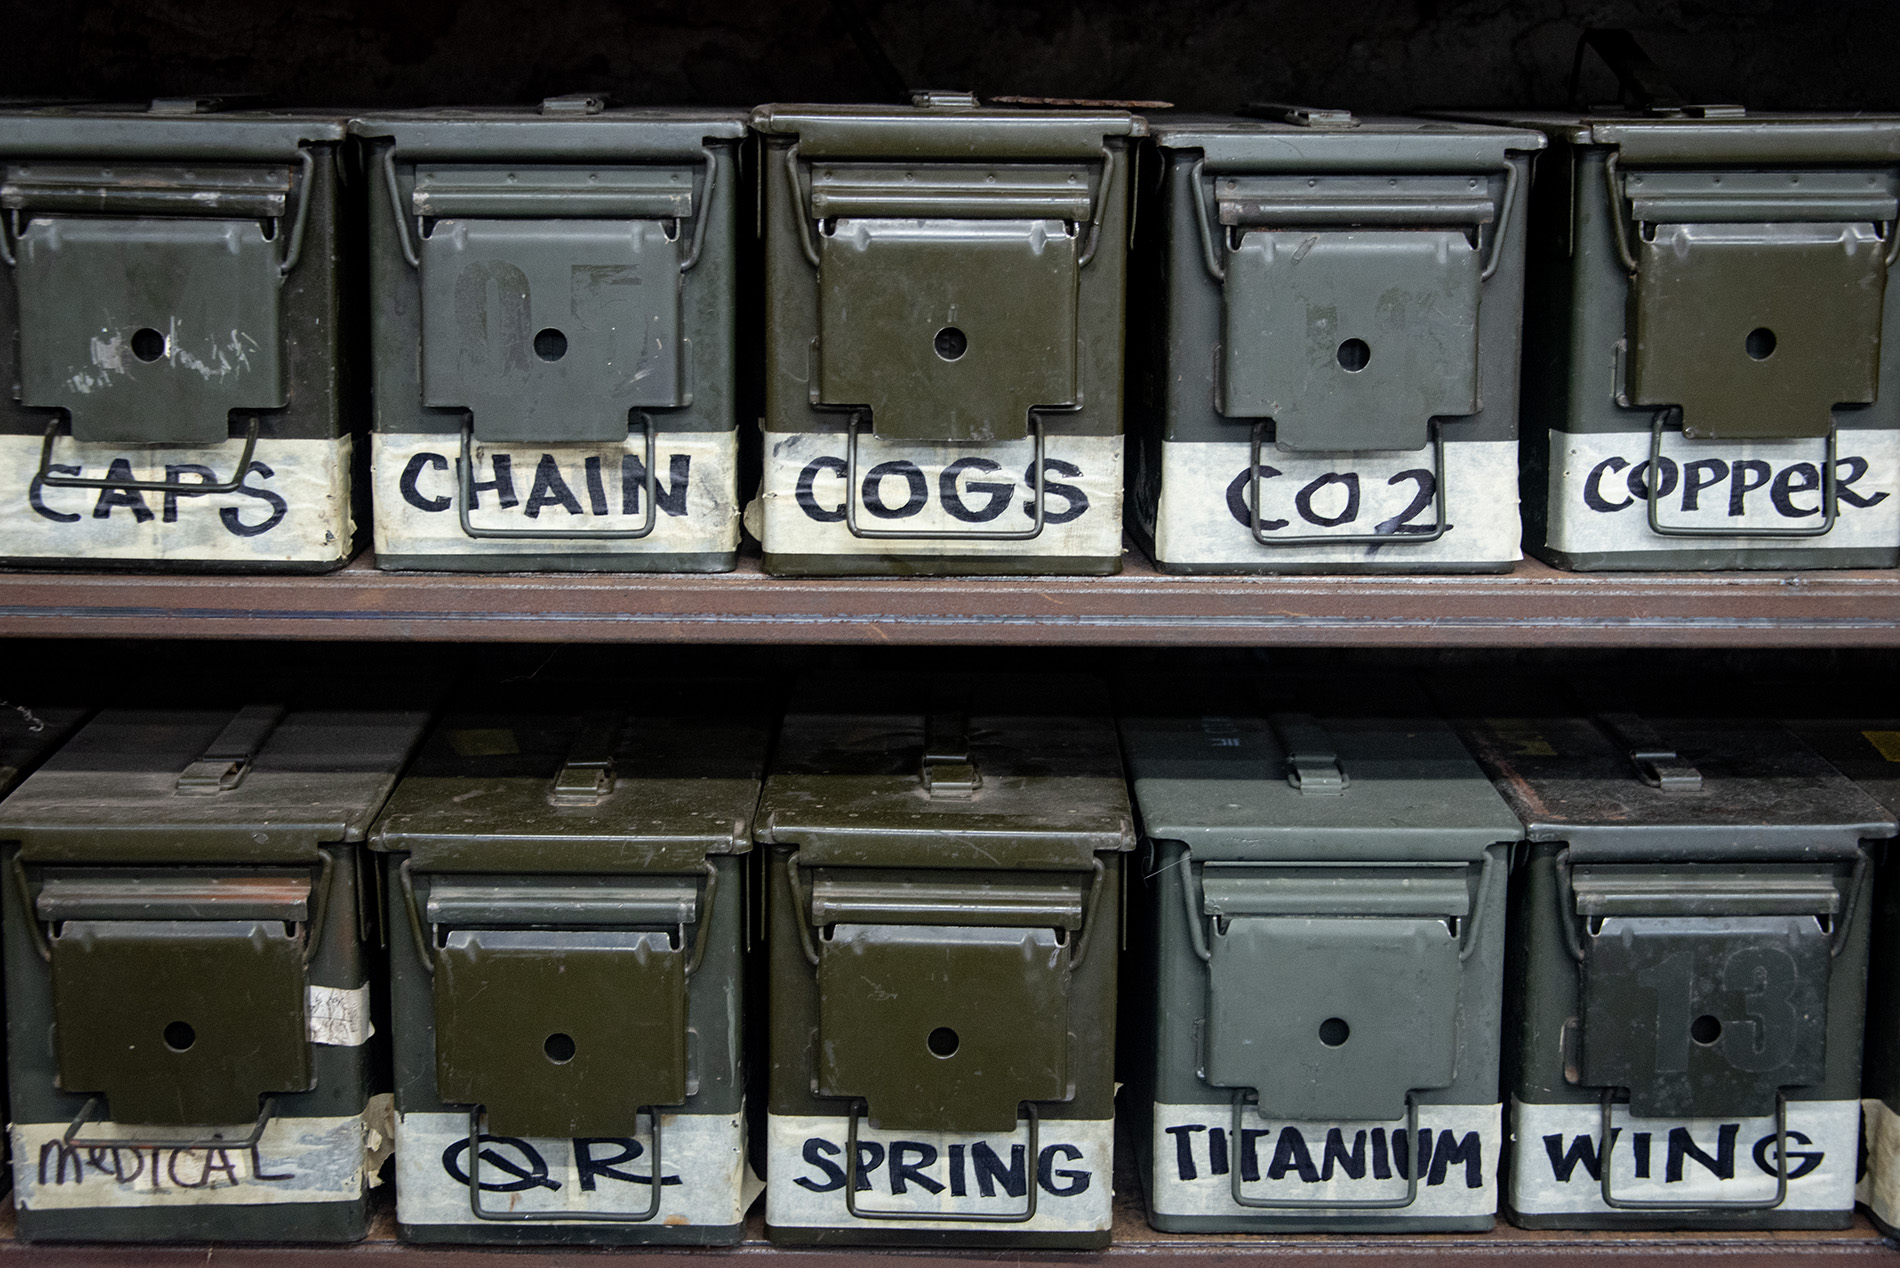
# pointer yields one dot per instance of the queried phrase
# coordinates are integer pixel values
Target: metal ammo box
(187, 994)
(1313, 1009)
(942, 923)
(553, 299)
(1687, 962)
(1708, 300)
(175, 329)
(567, 899)
(1327, 314)
(1867, 751)
(944, 306)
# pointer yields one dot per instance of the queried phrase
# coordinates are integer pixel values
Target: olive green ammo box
(553, 299)
(188, 997)
(1686, 973)
(942, 925)
(1708, 299)
(944, 308)
(1313, 1002)
(1867, 751)
(176, 331)
(1333, 305)
(567, 919)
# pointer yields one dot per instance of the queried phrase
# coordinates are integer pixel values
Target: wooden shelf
(1532, 606)
(1135, 1244)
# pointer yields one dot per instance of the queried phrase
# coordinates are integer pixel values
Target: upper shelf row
(1317, 323)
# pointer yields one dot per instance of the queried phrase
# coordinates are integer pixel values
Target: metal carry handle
(851, 496)
(1829, 501)
(424, 938)
(1301, 1204)
(557, 1217)
(72, 1139)
(46, 479)
(413, 257)
(1440, 528)
(1217, 269)
(1746, 1204)
(465, 481)
(952, 1217)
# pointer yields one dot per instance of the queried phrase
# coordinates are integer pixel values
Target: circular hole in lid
(560, 1048)
(951, 343)
(550, 344)
(942, 1042)
(179, 1036)
(1353, 355)
(147, 344)
(1760, 343)
(1705, 1030)
(1334, 1031)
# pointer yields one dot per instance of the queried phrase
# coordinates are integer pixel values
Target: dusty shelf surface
(1531, 606)
(1135, 1243)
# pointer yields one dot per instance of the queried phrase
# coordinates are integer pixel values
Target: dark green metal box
(1686, 973)
(944, 303)
(1708, 300)
(943, 924)
(1326, 315)
(1313, 1009)
(177, 326)
(567, 896)
(1867, 751)
(553, 300)
(187, 923)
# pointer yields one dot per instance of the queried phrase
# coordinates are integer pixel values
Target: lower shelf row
(588, 957)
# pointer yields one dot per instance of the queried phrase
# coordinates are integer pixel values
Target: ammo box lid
(1715, 789)
(1368, 789)
(1345, 144)
(960, 131)
(985, 772)
(562, 789)
(167, 129)
(554, 132)
(257, 784)
(1866, 750)
(1744, 137)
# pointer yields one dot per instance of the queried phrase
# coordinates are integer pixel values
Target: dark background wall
(1209, 54)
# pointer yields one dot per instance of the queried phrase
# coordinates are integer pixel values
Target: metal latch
(1704, 990)
(574, 104)
(1312, 762)
(587, 776)
(1332, 993)
(227, 759)
(149, 295)
(1656, 763)
(1351, 301)
(179, 995)
(943, 99)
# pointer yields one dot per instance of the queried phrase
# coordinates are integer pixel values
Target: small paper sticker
(484, 742)
(1886, 743)
(340, 1017)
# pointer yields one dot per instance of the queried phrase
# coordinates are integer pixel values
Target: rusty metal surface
(1532, 606)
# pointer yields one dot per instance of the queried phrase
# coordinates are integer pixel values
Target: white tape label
(1557, 1158)
(1196, 1157)
(557, 489)
(921, 1174)
(702, 1171)
(296, 1160)
(911, 488)
(1205, 514)
(293, 504)
(1599, 491)
(339, 1017)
